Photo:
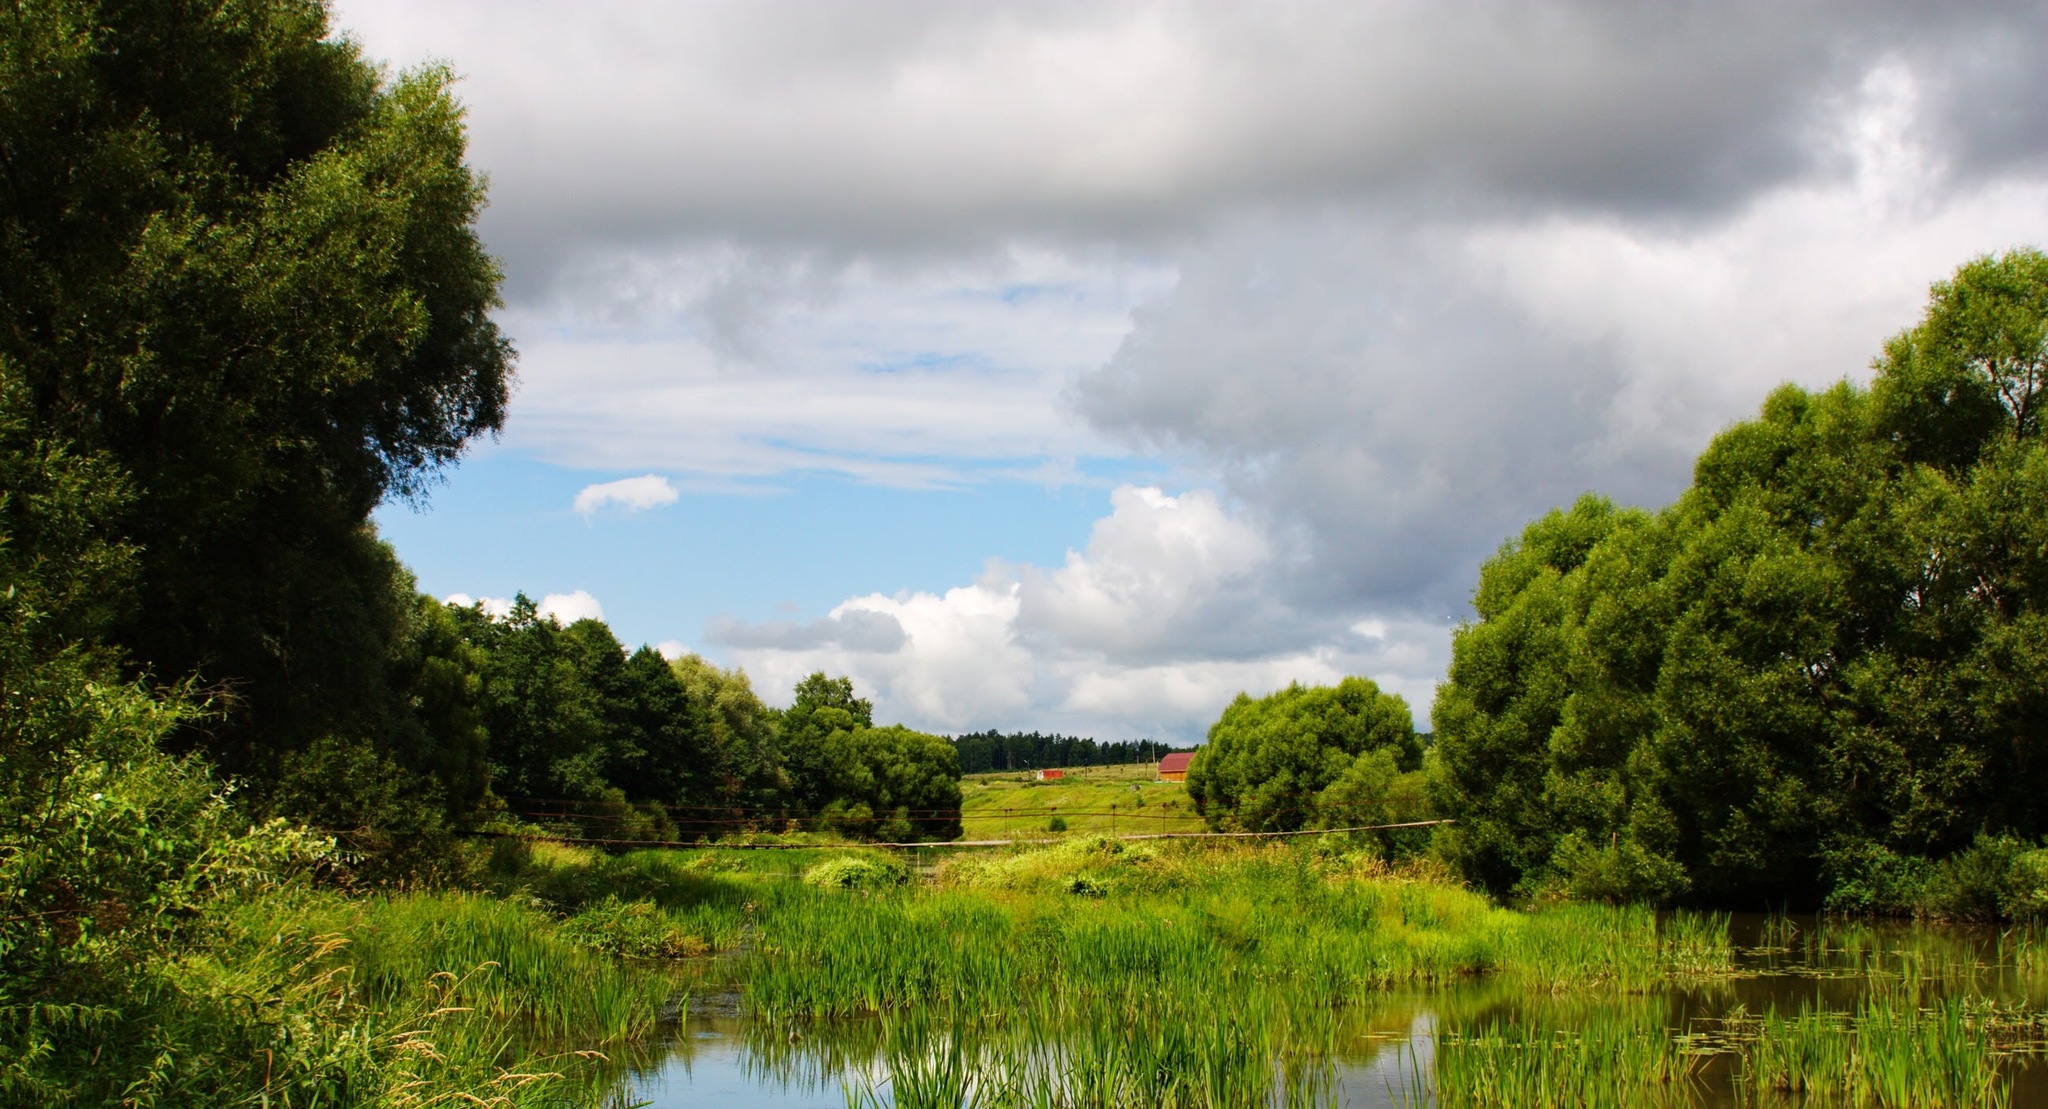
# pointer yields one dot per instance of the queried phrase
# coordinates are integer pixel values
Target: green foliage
(389, 822)
(241, 274)
(859, 780)
(858, 872)
(890, 784)
(749, 774)
(1995, 878)
(820, 707)
(639, 929)
(1293, 759)
(1830, 648)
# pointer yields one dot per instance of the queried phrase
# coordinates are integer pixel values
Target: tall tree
(1826, 654)
(240, 265)
(819, 707)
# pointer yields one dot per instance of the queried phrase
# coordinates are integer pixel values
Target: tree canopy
(238, 265)
(1301, 757)
(1828, 656)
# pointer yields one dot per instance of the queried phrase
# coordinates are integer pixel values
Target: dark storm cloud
(930, 126)
(1374, 409)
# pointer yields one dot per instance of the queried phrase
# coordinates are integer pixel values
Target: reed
(1883, 1053)
(303, 999)
(1092, 973)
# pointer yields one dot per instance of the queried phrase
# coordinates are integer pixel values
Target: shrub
(633, 928)
(857, 872)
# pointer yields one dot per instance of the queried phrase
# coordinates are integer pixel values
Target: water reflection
(1384, 1054)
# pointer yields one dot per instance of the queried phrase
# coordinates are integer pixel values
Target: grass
(1886, 1052)
(1102, 973)
(1095, 972)
(1092, 972)
(1013, 805)
(303, 999)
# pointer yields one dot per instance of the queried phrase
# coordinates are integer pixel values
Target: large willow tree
(1830, 652)
(238, 268)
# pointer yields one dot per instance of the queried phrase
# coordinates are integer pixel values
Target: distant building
(1174, 767)
(1051, 775)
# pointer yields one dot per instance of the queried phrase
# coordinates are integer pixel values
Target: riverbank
(1090, 972)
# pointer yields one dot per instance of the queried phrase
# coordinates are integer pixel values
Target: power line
(700, 845)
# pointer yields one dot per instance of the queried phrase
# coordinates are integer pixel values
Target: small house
(1174, 767)
(1051, 775)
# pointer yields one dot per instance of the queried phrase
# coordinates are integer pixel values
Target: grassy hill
(1012, 804)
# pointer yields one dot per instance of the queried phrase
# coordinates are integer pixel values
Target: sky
(1076, 366)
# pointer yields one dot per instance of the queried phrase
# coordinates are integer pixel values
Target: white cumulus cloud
(1173, 608)
(634, 494)
(567, 608)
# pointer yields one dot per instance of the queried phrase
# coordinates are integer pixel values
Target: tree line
(981, 752)
(245, 303)
(535, 723)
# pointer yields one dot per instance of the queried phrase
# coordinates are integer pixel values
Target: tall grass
(1096, 973)
(308, 999)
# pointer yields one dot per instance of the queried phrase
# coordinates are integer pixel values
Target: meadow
(1088, 800)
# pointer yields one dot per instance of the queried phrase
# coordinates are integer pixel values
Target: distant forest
(982, 752)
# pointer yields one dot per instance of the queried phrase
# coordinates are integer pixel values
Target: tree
(1268, 763)
(544, 713)
(1825, 655)
(854, 778)
(819, 707)
(890, 784)
(239, 266)
(749, 775)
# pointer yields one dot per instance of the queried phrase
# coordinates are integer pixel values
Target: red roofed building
(1174, 767)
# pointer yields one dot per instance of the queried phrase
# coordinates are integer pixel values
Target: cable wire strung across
(590, 841)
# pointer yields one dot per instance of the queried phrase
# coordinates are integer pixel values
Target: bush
(109, 873)
(1619, 873)
(390, 823)
(867, 873)
(638, 929)
(1995, 878)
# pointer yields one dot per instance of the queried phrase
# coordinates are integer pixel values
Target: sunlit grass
(1014, 805)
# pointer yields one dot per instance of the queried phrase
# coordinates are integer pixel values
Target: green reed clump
(857, 872)
(1100, 1049)
(305, 999)
(1882, 1054)
(1177, 918)
(637, 929)
(1612, 1058)
(1189, 975)
(537, 979)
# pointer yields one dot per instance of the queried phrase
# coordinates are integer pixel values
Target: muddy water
(716, 1058)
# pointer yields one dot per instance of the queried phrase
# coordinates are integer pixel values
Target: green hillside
(1012, 804)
